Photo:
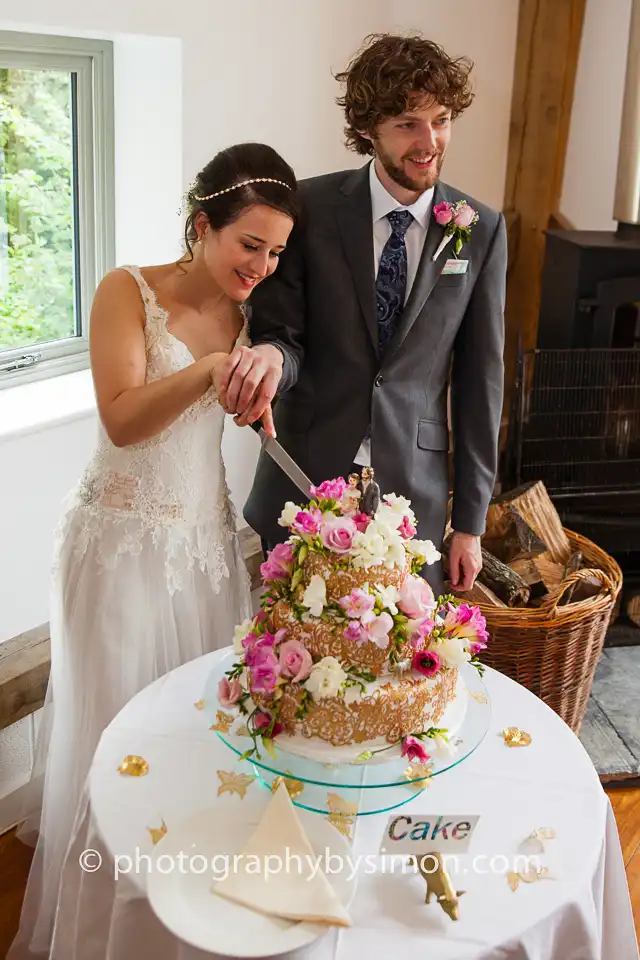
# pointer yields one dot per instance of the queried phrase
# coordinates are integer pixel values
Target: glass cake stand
(327, 779)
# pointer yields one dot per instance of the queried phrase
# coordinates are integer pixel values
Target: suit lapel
(356, 228)
(426, 276)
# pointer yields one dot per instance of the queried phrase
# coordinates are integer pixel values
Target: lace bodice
(171, 487)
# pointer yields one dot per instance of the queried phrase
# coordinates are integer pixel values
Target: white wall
(592, 149)
(190, 80)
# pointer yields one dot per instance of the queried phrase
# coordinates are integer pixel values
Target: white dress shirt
(383, 203)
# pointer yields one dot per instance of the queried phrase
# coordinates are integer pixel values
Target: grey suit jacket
(319, 308)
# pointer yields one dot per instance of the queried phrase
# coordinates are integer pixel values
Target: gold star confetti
(199, 704)
(294, 787)
(416, 771)
(224, 721)
(133, 766)
(479, 697)
(515, 737)
(529, 876)
(232, 782)
(157, 833)
(342, 813)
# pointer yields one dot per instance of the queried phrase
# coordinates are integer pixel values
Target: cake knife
(277, 453)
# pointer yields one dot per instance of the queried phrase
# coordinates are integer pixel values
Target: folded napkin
(278, 872)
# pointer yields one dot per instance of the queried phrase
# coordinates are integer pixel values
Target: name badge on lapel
(455, 266)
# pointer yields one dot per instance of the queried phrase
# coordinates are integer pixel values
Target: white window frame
(92, 62)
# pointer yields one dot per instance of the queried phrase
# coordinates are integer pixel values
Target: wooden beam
(547, 50)
(25, 660)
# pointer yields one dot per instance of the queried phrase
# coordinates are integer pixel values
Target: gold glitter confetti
(342, 813)
(232, 782)
(199, 704)
(133, 766)
(416, 770)
(294, 787)
(157, 833)
(529, 876)
(224, 721)
(479, 697)
(515, 737)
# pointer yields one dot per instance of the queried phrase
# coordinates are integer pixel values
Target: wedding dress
(147, 574)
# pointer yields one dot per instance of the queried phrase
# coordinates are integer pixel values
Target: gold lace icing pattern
(342, 582)
(395, 709)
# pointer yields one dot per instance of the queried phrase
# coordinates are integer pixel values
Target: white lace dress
(148, 574)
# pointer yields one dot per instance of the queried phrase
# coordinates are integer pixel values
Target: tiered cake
(350, 645)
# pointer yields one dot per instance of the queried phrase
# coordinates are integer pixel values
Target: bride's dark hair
(215, 191)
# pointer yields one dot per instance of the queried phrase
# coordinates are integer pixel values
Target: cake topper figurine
(439, 883)
(371, 494)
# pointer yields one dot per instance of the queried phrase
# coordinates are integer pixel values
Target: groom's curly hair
(388, 73)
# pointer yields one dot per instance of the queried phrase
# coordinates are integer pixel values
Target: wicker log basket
(553, 649)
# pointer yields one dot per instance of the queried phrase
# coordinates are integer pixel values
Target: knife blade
(277, 453)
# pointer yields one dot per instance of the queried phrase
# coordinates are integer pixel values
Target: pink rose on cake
(295, 660)
(416, 598)
(412, 749)
(362, 521)
(279, 563)
(307, 522)
(229, 692)
(337, 533)
(466, 622)
(330, 490)
(263, 720)
(265, 670)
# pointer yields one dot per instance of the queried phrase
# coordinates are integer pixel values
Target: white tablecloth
(584, 913)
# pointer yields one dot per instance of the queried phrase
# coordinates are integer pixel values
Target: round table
(582, 913)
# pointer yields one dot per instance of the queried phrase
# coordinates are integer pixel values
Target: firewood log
(505, 583)
(527, 569)
(511, 537)
(479, 593)
(534, 506)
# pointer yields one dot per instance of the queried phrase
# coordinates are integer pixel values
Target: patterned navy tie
(391, 282)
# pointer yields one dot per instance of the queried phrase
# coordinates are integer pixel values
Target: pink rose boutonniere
(457, 219)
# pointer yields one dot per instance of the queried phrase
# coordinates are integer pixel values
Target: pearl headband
(244, 183)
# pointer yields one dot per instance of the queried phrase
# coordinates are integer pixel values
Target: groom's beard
(417, 184)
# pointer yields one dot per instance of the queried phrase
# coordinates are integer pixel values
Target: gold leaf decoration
(157, 833)
(232, 782)
(133, 766)
(342, 813)
(536, 841)
(224, 721)
(515, 737)
(416, 771)
(478, 697)
(199, 704)
(294, 787)
(243, 731)
(528, 876)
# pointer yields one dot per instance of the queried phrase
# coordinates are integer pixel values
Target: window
(56, 199)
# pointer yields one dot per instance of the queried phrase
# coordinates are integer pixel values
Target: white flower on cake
(440, 746)
(289, 514)
(423, 550)
(388, 597)
(315, 596)
(452, 651)
(378, 545)
(240, 632)
(325, 679)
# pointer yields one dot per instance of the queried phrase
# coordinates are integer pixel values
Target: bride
(148, 571)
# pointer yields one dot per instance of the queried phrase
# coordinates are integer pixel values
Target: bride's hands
(246, 382)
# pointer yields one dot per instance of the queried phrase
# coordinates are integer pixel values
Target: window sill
(36, 406)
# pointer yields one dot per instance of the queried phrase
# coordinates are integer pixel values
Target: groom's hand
(465, 560)
(248, 382)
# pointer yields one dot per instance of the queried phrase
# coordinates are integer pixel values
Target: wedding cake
(350, 645)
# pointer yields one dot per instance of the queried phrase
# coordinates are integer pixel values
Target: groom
(369, 317)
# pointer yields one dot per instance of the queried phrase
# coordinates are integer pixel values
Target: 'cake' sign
(418, 833)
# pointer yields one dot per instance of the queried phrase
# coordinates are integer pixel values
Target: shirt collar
(383, 203)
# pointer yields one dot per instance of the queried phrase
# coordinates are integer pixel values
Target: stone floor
(610, 731)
